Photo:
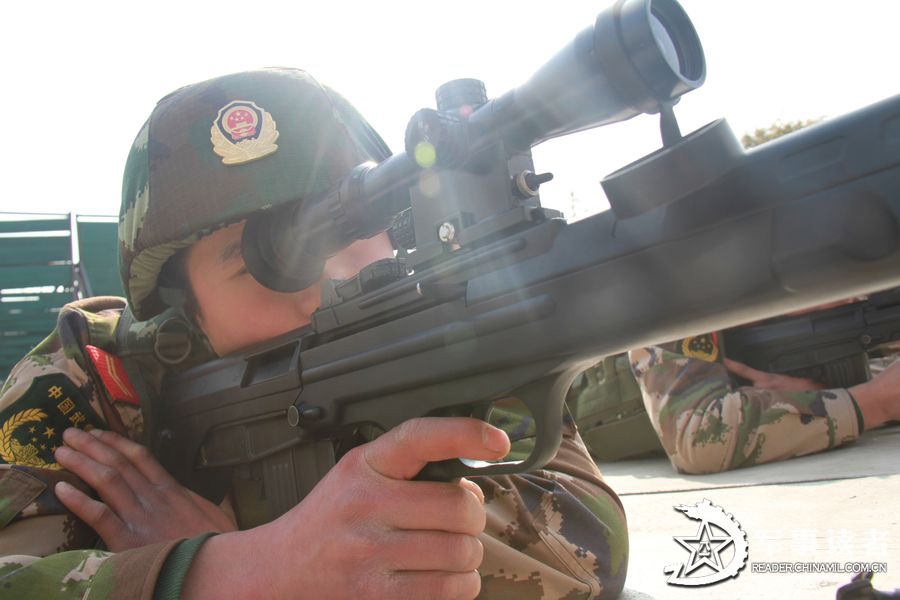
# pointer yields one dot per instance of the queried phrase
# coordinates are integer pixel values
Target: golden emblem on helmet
(27, 454)
(243, 132)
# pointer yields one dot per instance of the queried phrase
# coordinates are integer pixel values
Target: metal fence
(47, 260)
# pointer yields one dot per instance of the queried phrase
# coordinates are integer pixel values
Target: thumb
(404, 450)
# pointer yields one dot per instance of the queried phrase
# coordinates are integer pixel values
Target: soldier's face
(236, 311)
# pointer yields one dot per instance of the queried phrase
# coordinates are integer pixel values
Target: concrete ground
(834, 507)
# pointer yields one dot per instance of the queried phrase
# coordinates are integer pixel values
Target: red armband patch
(115, 380)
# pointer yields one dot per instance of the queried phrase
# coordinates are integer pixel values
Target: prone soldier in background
(210, 155)
(710, 413)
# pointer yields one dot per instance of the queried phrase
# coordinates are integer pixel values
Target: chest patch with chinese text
(31, 428)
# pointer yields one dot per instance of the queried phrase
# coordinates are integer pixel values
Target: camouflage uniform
(555, 533)
(707, 425)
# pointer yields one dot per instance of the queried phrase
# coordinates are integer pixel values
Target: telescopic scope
(639, 56)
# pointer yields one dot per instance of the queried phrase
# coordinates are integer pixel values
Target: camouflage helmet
(214, 152)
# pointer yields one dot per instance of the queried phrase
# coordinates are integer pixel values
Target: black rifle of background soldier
(830, 346)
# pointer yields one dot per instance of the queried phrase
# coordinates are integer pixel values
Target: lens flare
(425, 154)
(429, 184)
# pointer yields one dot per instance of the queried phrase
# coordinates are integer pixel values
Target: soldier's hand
(140, 503)
(771, 381)
(366, 530)
(879, 398)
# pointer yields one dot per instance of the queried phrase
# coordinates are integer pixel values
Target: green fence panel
(36, 276)
(34, 250)
(29, 324)
(24, 264)
(98, 249)
(44, 303)
(10, 354)
(34, 225)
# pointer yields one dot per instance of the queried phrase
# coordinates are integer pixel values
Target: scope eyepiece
(274, 255)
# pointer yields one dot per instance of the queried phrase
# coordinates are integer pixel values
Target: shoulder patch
(31, 428)
(705, 347)
(112, 373)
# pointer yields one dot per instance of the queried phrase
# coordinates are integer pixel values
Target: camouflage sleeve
(84, 574)
(555, 533)
(707, 426)
(47, 552)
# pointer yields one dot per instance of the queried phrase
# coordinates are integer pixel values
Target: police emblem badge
(243, 132)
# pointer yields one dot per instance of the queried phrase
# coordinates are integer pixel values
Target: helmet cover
(215, 152)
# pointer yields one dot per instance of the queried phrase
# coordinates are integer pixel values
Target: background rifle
(502, 297)
(830, 346)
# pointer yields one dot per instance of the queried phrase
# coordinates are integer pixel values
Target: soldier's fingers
(426, 585)
(96, 514)
(813, 384)
(432, 505)
(138, 455)
(794, 384)
(742, 370)
(432, 551)
(472, 487)
(101, 452)
(222, 519)
(107, 481)
(404, 450)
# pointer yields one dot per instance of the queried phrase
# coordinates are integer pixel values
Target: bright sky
(81, 78)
